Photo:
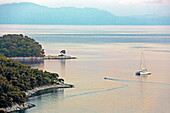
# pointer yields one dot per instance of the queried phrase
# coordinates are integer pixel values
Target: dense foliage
(20, 46)
(16, 78)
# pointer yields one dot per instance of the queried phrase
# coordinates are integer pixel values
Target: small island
(18, 82)
(19, 47)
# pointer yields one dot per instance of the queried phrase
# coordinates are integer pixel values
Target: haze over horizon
(116, 7)
(31, 13)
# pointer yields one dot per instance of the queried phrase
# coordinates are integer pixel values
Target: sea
(112, 52)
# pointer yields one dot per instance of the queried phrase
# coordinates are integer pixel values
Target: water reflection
(33, 63)
(19, 112)
(41, 64)
(58, 94)
(63, 66)
(44, 96)
(142, 78)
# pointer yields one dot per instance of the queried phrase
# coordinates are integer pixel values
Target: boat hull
(142, 73)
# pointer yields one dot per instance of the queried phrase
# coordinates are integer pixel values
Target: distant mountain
(29, 13)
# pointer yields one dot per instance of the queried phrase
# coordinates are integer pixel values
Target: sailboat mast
(140, 66)
(142, 61)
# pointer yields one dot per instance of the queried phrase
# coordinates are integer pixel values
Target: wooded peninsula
(18, 80)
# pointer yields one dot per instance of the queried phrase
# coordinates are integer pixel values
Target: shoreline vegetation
(30, 93)
(22, 47)
(18, 82)
(44, 58)
(18, 45)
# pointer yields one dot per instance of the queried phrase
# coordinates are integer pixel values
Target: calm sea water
(103, 51)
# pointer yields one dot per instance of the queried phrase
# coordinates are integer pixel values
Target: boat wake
(133, 81)
(94, 92)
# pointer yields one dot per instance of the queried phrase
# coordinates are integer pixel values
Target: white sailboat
(142, 70)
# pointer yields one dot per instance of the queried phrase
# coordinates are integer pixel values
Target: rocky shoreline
(31, 93)
(17, 107)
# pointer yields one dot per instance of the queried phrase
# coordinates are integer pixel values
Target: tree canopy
(13, 45)
(16, 78)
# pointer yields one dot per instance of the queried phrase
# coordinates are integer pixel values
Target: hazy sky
(117, 7)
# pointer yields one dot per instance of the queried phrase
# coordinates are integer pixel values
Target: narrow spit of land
(31, 93)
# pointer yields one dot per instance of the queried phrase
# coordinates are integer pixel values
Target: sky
(117, 7)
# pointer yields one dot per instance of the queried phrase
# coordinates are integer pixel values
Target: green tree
(20, 46)
(16, 78)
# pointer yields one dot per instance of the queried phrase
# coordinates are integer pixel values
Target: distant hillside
(29, 13)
